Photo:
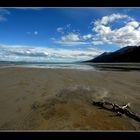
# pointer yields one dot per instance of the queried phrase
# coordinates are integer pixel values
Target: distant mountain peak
(126, 54)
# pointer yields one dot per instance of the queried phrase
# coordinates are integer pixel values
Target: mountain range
(126, 54)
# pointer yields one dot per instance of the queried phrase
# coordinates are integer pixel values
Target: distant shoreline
(80, 66)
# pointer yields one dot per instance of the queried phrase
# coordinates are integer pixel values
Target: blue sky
(65, 34)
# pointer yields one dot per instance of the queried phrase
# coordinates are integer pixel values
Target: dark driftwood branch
(118, 109)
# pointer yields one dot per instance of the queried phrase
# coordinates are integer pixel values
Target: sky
(65, 34)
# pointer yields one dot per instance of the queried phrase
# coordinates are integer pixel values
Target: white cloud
(134, 24)
(96, 49)
(44, 54)
(97, 42)
(71, 43)
(107, 19)
(60, 30)
(101, 29)
(127, 35)
(88, 36)
(70, 37)
(3, 13)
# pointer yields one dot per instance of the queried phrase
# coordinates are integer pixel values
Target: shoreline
(79, 66)
(49, 99)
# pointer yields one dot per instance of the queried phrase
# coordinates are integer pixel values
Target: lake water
(81, 66)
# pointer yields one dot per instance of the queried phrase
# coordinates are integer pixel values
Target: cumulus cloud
(127, 35)
(88, 36)
(107, 19)
(71, 39)
(134, 24)
(43, 54)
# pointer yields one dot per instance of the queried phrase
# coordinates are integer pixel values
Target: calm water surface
(81, 66)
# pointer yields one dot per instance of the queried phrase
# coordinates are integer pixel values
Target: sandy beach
(60, 99)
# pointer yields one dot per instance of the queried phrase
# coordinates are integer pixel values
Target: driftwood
(118, 109)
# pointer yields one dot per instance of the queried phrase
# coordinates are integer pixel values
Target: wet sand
(61, 99)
